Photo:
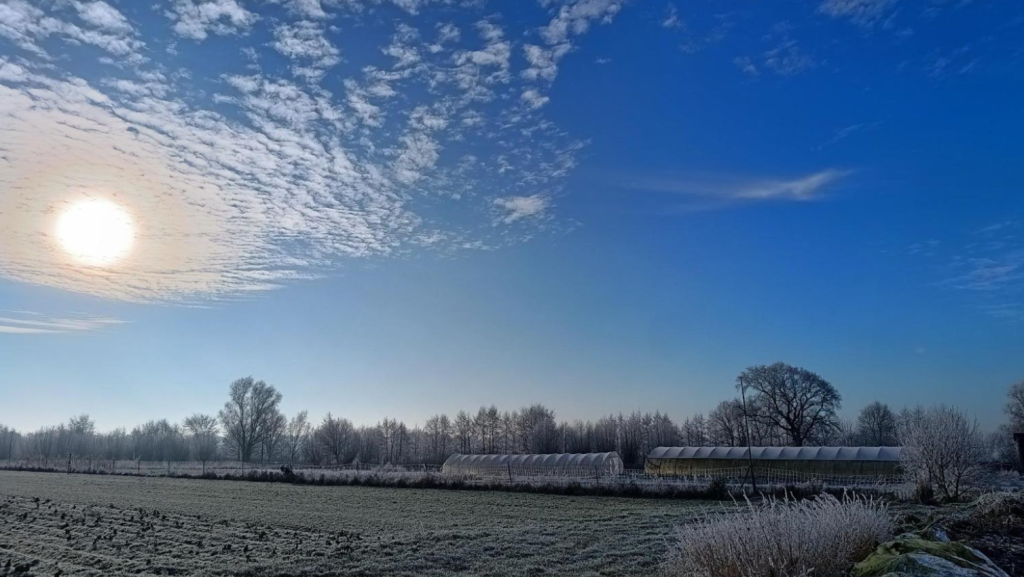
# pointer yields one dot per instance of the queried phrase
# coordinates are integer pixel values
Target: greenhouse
(877, 461)
(561, 464)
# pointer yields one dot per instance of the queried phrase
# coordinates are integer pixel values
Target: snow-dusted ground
(116, 525)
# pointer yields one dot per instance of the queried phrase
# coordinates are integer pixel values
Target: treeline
(778, 404)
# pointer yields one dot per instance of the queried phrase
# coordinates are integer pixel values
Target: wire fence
(730, 476)
(484, 475)
(196, 468)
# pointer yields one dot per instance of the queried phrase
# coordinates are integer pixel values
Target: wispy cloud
(672, 19)
(245, 176)
(864, 13)
(987, 265)
(727, 190)
(787, 58)
(33, 323)
(845, 132)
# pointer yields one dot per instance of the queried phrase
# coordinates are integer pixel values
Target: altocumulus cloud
(245, 174)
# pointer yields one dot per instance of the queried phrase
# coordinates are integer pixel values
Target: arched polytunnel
(810, 460)
(560, 464)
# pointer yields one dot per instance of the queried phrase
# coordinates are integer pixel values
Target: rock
(926, 554)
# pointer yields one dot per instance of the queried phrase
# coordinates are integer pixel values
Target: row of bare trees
(778, 405)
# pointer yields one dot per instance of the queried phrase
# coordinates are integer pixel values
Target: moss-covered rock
(924, 554)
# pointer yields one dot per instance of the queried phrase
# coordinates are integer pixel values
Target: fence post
(69, 463)
(509, 465)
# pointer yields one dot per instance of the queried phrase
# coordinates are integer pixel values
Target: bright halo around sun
(96, 232)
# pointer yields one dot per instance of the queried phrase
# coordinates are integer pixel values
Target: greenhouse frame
(558, 464)
(680, 461)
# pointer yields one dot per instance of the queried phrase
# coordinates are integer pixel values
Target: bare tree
(694, 431)
(438, 433)
(80, 432)
(538, 430)
(248, 414)
(725, 424)
(464, 432)
(1015, 406)
(314, 452)
(336, 436)
(943, 448)
(276, 427)
(205, 440)
(876, 425)
(297, 436)
(8, 436)
(794, 400)
(393, 438)
(1002, 446)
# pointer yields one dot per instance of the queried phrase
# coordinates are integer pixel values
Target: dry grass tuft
(782, 538)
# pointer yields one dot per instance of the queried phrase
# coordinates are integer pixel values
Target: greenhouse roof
(554, 461)
(780, 453)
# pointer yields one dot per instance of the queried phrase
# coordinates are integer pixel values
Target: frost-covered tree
(943, 448)
(538, 431)
(8, 440)
(80, 431)
(1003, 447)
(1015, 406)
(297, 436)
(276, 427)
(203, 437)
(438, 432)
(336, 436)
(486, 425)
(464, 432)
(248, 415)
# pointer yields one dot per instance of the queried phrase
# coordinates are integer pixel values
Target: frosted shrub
(942, 448)
(782, 538)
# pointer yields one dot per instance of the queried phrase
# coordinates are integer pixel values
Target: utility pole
(746, 425)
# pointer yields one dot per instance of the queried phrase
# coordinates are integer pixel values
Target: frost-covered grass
(123, 525)
(625, 485)
(781, 538)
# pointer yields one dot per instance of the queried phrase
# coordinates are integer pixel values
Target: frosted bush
(781, 538)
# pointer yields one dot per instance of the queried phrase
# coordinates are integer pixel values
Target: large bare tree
(249, 414)
(794, 400)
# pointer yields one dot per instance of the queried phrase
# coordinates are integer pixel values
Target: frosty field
(108, 525)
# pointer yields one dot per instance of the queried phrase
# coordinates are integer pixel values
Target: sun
(96, 232)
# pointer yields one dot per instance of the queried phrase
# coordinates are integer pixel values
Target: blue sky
(411, 206)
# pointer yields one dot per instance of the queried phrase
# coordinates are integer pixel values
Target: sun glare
(96, 232)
